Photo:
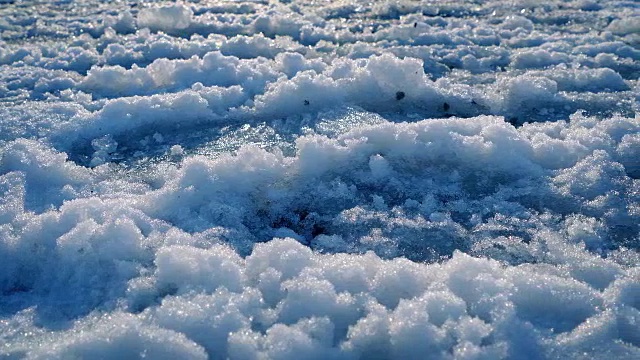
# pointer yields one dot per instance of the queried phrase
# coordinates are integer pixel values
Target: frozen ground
(320, 179)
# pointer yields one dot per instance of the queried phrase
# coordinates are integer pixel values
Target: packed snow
(320, 179)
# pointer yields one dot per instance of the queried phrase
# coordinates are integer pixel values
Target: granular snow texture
(320, 179)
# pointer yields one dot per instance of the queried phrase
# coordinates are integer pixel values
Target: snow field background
(279, 180)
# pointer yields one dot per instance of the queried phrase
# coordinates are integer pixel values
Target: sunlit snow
(320, 179)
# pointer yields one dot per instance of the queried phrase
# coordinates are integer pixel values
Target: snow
(319, 180)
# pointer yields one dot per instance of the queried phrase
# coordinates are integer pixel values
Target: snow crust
(320, 180)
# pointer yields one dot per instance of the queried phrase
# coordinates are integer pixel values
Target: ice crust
(320, 180)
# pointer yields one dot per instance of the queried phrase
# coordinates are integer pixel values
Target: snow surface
(320, 179)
